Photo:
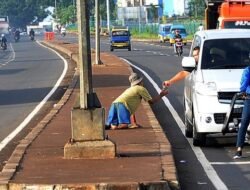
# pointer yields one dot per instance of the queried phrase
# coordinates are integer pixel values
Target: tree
(66, 14)
(23, 12)
(153, 12)
(196, 7)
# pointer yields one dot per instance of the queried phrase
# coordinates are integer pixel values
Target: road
(28, 73)
(205, 168)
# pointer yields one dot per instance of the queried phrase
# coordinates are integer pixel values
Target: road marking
(230, 163)
(39, 106)
(208, 168)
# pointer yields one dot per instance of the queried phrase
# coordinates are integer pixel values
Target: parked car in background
(183, 34)
(213, 81)
(163, 32)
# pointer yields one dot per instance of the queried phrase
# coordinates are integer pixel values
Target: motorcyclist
(17, 35)
(63, 31)
(177, 36)
(32, 33)
(3, 41)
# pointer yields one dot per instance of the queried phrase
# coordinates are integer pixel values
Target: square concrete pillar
(90, 150)
(88, 125)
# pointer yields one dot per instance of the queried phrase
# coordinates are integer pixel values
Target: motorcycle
(32, 37)
(63, 33)
(16, 38)
(178, 46)
(3, 46)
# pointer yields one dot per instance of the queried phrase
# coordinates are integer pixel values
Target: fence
(137, 27)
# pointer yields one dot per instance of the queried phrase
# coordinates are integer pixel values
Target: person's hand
(163, 93)
(166, 83)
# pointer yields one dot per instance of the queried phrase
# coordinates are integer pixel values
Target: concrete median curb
(168, 165)
(169, 175)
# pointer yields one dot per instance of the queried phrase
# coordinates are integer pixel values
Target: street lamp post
(55, 9)
(108, 16)
(97, 34)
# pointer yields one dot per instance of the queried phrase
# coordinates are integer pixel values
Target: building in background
(4, 25)
(147, 11)
(139, 10)
(174, 7)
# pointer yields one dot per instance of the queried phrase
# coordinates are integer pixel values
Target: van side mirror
(188, 63)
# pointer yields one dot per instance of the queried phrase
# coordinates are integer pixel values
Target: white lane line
(208, 168)
(230, 163)
(39, 106)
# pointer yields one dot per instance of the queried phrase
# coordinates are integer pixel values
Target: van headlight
(208, 88)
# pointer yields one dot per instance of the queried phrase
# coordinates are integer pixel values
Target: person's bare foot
(114, 127)
(134, 126)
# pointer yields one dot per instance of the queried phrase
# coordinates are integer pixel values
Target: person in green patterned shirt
(122, 110)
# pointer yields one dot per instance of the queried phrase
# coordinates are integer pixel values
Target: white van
(214, 80)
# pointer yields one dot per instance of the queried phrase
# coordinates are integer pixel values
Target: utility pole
(108, 16)
(140, 17)
(97, 34)
(87, 116)
(55, 9)
(84, 55)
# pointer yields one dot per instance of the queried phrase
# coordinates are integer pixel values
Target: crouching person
(122, 110)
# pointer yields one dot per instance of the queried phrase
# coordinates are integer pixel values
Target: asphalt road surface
(28, 73)
(205, 168)
(199, 168)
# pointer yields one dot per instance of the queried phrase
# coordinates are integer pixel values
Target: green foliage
(103, 9)
(23, 12)
(196, 8)
(66, 14)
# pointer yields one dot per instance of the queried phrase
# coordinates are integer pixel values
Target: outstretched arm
(158, 97)
(179, 76)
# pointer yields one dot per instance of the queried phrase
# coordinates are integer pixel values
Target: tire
(161, 40)
(129, 48)
(178, 50)
(111, 49)
(199, 139)
(188, 128)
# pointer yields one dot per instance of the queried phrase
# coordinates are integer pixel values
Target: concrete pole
(140, 17)
(108, 16)
(87, 119)
(97, 34)
(84, 53)
(55, 9)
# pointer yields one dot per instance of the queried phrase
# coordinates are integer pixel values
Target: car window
(196, 42)
(226, 53)
(166, 29)
(120, 33)
(182, 30)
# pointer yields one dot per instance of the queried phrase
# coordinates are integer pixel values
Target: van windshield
(226, 54)
(120, 33)
(166, 29)
(182, 30)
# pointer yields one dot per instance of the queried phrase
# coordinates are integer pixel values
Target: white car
(213, 82)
